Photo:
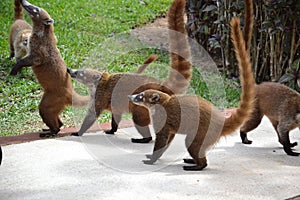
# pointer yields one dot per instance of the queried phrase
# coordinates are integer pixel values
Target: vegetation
(275, 46)
(82, 28)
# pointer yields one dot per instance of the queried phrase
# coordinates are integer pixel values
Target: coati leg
(49, 111)
(275, 125)
(60, 125)
(284, 139)
(194, 151)
(25, 62)
(89, 120)
(162, 142)
(249, 125)
(141, 119)
(116, 118)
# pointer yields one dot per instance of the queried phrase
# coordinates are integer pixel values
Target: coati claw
(142, 140)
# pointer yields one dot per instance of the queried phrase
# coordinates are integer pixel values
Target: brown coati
(49, 68)
(112, 89)
(282, 106)
(109, 92)
(19, 34)
(194, 116)
(278, 102)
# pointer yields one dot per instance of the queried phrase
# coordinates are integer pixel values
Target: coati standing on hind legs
(278, 102)
(111, 90)
(50, 70)
(194, 116)
(20, 32)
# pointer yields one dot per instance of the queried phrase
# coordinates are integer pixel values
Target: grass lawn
(80, 27)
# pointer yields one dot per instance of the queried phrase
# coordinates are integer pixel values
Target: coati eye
(139, 97)
(25, 41)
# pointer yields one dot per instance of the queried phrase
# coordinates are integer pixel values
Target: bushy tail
(146, 63)
(248, 23)
(246, 75)
(181, 73)
(18, 10)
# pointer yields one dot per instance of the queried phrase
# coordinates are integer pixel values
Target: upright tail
(248, 23)
(181, 73)
(149, 60)
(246, 75)
(18, 11)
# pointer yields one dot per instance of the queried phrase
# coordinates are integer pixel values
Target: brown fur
(49, 68)
(112, 90)
(278, 102)
(282, 106)
(19, 34)
(194, 116)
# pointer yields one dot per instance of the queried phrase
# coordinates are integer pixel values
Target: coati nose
(73, 73)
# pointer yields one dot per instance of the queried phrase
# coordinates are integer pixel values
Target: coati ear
(154, 98)
(97, 77)
(48, 21)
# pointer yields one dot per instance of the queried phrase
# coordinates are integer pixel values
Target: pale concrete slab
(99, 166)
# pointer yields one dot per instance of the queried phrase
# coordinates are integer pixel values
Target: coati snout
(88, 77)
(36, 13)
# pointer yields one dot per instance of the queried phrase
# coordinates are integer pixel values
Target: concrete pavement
(99, 166)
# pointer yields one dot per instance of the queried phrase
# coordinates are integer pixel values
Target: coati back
(281, 107)
(19, 34)
(112, 89)
(49, 68)
(194, 116)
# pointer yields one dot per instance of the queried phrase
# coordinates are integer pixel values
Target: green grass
(81, 27)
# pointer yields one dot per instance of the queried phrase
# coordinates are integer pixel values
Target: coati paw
(148, 162)
(244, 138)
(149, 156)
(110, 132)
(194, 168)
(142, 140)
(13, 72)
(289, 152)
(189, 161)
(47, 135)
(293, 144)
(74, 134)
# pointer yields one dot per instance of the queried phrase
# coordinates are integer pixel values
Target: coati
(111, 90)
(19, 34)
(278, 102)
(50, 70)
(282, 106)
(194, 116)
